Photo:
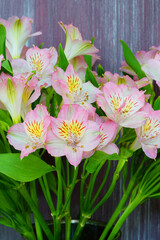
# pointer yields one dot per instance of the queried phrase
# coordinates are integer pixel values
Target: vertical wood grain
(134, 21)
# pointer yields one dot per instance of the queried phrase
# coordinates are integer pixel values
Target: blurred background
(134, 21)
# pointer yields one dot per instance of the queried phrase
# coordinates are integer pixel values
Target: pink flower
(72, 134)
(108, 131)
(39, 61)
(142, 58)
(18, 32)
(15, 94)
(149, 134)
(150, 64)
(126, 80)
(75, 46)
(69, 85)
(31, 134)
(79, 66)
(122, 104)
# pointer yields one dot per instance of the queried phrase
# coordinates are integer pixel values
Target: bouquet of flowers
(54, 106)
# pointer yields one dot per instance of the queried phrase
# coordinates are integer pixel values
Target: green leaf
(2, 147)
(41, 45)
(156, 105)
(4, 126)
(97, 158)
(6, 67)
(5, 120)
(125, 175)
(90, 77)
(2, 40)
(132, 61)
(4, 116)
(92, 40)
(25, 170)
(88, 60)
(100, 70)
(62, 62)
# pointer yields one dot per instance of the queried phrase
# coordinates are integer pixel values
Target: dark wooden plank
(137, 23)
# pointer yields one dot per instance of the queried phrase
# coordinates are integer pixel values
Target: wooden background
(134, 21)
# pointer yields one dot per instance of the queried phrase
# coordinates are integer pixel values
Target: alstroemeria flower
(14, 91)
(30, 93)
(108, 131)
(117, 79)
(79, 66)
(72, 134)
(142, 58)
(69, 85)
(122, 104)
(31, 134)
(39, 61)
(151, 65)
(149, 134)
(18, 32)
(75, 46)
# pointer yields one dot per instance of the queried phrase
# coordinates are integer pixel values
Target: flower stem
(121, 204)
(36, 211)
(35, 199)
(57, 219)
(121, 220)
(80, 227)
(112, 186)
(66, 207)
(103, 182)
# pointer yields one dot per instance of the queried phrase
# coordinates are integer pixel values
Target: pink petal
(134, 121)
(150, 150)
(152, 69)
(74, 156)
(110, 149)
(91, 138)
(54, 145)
(17, 136)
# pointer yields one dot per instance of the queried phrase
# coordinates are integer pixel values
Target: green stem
(49, 198)
(87, 204)
(57, 220)
(67, 216)
(35, 199)
(83, 179)
(58, 163)
(70, 189)
(112, 186)
(102, 184)
(122, 202)
(66, 207)
(68, 173)
(123, 217)
(80, 227)
(36, 212)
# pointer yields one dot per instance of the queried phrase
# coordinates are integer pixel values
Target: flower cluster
(51, 100)
(77, 132)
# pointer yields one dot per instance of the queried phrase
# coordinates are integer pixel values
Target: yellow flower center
(116, 102)
(35, 128)
(73, 83)
(129, 106)
(151, 128)
(36, 61)
(71, 132)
